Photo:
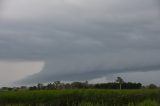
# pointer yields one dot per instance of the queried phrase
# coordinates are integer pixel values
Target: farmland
(80, 97)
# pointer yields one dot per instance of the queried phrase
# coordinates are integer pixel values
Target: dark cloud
(82, 39)
(81, 76)
(90, 67)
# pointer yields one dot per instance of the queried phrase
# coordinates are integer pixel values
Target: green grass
(80, 98)
(149, 103)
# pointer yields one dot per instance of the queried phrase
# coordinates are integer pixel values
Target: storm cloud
(81, 39)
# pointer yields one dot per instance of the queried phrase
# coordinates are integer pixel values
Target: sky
(74, 40)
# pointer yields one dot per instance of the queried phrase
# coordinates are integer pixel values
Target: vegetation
(118, 84)
(120, 81)
(152, 86)
(118, 93)
(83, 97)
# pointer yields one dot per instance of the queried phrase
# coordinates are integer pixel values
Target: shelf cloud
(81, 39)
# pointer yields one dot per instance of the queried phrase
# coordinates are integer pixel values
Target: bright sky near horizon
(11, 71)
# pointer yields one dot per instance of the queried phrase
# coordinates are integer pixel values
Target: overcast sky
(74, 40)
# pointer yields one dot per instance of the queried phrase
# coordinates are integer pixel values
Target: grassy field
(81, 98)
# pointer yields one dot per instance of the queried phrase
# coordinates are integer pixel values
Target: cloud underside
(81, 39)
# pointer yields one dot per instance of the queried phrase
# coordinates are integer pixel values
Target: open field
(80, 97)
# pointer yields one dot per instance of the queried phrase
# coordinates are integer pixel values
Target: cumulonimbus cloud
(82, 40)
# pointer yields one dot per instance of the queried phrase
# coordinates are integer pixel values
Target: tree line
(118, 84)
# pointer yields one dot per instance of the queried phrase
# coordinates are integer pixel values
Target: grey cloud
(92, 66)
(82, 39)
(1, 5)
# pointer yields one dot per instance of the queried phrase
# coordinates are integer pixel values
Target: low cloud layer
(81, 39)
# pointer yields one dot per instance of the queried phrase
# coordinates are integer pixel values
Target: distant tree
(152, 86)
(107, 86)
(68, 86)
(50, 86)
(33, 88)
(6, 89)
(77, 85)
(23, 88)
(39, 86)
(80, 84)
(57, 84)
(131, 85)
(120, 81)
(86, 84)
(62, 86)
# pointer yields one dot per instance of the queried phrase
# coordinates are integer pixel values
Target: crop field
(83, 97)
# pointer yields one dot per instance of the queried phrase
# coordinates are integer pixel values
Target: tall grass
(78, 97)
(149, 103)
